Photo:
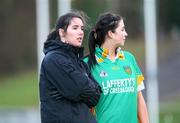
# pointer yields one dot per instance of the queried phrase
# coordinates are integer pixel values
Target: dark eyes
(76, 27)
(123, 29)
(82, 28)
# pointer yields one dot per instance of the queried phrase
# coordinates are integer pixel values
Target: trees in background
(17, 35)
(18, 25)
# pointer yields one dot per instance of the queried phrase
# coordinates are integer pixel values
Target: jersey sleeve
(139, 75)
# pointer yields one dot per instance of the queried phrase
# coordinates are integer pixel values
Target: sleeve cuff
(141, 86)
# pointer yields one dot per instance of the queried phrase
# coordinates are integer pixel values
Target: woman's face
(120, 34)
(75, 33)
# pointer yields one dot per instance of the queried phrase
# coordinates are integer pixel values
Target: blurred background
(19, 97)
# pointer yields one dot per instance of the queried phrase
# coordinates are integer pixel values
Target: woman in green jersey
(117, 73)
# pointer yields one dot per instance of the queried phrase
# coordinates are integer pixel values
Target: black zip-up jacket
(67, 89)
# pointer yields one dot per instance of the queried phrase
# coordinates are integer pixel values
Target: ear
(61, 33)
(110, 34)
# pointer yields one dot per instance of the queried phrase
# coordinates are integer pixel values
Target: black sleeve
(92, 101)
(72, 83)
(98, 88)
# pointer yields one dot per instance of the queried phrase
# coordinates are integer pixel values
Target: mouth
(80, 39)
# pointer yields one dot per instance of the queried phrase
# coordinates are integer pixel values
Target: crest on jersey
(127, 69)
(103, 74)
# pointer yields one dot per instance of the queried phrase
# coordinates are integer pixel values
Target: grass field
(170, 112)
(19, 90)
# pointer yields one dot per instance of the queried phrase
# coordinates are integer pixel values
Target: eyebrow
(77, 25)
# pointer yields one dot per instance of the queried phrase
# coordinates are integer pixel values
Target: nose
(81, 32)
(126, 34)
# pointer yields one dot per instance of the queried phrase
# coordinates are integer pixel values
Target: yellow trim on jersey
(99, 60)
(104, 53)
(140, 79)
(121, 56)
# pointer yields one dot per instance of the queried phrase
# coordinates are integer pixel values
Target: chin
(79, 45)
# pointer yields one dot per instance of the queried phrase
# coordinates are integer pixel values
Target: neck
(111, 49)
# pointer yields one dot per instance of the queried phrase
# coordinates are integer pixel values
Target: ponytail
(52, 36)
(92, 45)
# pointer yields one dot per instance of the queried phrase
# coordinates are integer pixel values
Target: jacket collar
(52, 45)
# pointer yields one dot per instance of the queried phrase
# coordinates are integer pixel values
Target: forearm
(92, 96)
(142, 109)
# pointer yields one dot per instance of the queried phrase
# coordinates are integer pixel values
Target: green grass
(170, 112)
(19, 90)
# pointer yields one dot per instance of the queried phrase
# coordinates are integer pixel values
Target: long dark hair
(63, 23)
(105, 23)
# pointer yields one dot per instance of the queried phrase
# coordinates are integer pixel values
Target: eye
(123, 29)
(74, 28)
(82, 28)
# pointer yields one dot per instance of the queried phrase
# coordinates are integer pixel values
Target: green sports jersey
(120, 80)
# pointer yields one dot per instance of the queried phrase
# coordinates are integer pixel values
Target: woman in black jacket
(67, 89)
